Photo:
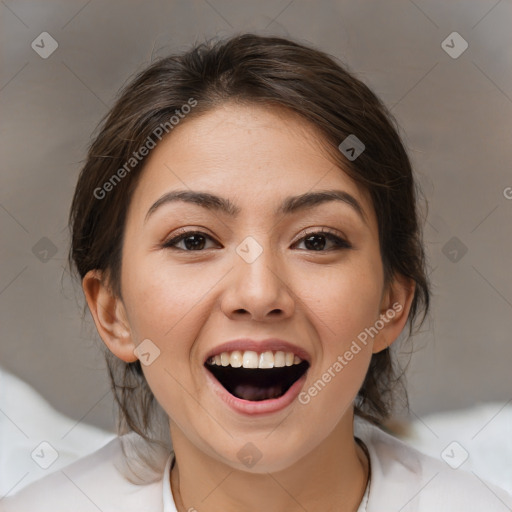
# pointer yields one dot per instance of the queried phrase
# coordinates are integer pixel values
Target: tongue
(256, 393)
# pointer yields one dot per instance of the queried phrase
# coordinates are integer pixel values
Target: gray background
(456, 114)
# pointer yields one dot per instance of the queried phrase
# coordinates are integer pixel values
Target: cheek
(345, 302)
(167, 304)
(344, 306)
(162, 296)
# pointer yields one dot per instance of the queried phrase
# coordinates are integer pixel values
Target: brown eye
(319, 240)
(192, 241)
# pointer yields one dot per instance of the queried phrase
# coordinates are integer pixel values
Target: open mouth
(256, 377)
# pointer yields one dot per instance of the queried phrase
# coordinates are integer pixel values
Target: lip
(253, 408)
(273, 344)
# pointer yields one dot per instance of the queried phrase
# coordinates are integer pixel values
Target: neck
(333, 476)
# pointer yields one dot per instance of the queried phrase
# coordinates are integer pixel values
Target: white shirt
(402, 480)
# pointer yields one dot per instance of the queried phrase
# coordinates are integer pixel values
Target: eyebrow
(289, 206)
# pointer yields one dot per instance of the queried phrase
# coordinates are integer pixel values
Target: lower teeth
(255, 393)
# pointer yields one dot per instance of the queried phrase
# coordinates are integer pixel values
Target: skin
(188, 302)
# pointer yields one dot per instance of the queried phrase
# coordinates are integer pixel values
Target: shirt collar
(168, 500)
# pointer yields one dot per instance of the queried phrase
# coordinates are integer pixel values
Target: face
(297, 284)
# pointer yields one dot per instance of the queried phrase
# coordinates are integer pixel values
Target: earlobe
(109, 316)
(395, 306)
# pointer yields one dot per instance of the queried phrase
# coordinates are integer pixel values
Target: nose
(259, 289)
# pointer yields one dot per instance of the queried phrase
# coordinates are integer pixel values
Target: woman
(246, 231)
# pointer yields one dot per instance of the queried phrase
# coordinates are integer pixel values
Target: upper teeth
(251, 359)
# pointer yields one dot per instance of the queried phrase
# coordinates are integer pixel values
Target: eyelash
(339, 242)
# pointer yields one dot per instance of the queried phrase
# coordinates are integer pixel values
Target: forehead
(252, 154)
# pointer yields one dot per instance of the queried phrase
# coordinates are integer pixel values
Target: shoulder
(407, 480)
(92, 483)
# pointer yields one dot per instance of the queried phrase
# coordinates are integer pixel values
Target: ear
(394, 311)
(109, 316)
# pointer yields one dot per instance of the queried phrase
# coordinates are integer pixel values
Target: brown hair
(271, 71)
